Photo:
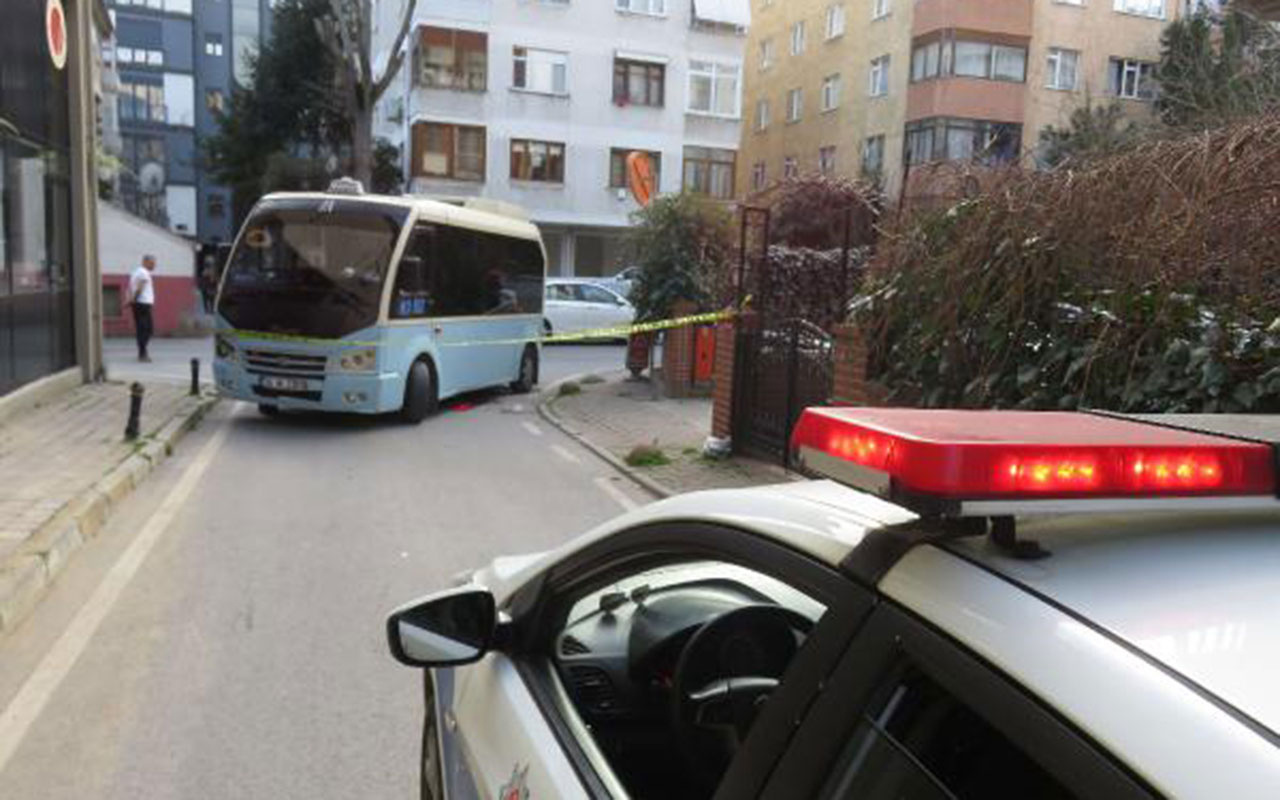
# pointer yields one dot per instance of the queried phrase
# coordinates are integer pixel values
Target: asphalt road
(223, 636)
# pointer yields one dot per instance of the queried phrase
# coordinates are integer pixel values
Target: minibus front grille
(280, 363)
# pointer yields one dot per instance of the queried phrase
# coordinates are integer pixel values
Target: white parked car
(976, 604)
(576, 304)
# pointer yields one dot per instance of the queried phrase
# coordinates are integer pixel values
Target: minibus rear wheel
(419, 393)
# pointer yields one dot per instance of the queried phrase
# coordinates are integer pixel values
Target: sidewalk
(615, 414)
(63, 465)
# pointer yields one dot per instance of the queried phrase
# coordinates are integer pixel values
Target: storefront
(46, 251)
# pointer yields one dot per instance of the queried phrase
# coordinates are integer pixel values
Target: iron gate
(779, 370)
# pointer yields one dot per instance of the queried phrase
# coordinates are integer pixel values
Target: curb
(29, 572)
(548, 395)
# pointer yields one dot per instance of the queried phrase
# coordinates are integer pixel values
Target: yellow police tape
(616, 332)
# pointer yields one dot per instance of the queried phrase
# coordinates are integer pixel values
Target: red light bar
(1005, 455)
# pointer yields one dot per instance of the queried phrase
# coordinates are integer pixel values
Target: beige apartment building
(885, 87)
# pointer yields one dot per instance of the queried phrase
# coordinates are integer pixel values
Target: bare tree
(348, 33)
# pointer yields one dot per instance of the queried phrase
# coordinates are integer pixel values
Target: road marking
(565, 454)
(531, 428)
(608, 488)
(29, 702)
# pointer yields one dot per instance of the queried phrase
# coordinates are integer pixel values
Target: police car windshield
(312, 268)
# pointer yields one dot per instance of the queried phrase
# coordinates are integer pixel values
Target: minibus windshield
(311, 268)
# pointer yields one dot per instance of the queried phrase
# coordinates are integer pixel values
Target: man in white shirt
(142, 296)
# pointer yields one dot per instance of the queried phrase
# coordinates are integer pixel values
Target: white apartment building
(538, 102)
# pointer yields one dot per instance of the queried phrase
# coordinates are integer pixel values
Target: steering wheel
(724, 675)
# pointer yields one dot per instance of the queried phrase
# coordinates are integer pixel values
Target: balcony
(1004, 17)
(967, 98)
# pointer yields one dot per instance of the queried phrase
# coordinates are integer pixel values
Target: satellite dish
(151, 177)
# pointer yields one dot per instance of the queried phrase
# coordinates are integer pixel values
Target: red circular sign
(55, 28)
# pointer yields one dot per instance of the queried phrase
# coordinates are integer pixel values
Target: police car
(971, 604)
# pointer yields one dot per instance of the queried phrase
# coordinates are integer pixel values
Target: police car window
(594, 294)
(917, 740)
(558, 291)
(669, 668)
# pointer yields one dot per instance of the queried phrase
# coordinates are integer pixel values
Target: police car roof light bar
(1000, 462)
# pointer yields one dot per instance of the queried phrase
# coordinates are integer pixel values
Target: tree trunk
(362, 147)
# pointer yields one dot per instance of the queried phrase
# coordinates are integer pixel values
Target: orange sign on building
(640, 177)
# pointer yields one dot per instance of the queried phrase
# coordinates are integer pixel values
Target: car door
(611, 563)
(563, 309)
(910, 713)
(603, 308)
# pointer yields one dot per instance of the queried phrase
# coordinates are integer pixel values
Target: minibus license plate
(284, 384)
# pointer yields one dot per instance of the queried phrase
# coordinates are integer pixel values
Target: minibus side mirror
(445, 629)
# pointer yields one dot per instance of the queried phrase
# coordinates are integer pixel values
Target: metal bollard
(135, 411)
(195, 376)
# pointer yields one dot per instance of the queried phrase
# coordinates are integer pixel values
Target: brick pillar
(678, 356)
(850, 386)
(722, 376)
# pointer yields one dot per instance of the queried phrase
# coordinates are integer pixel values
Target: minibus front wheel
(420, 396)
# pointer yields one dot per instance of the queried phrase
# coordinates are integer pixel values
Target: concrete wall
(123, 240)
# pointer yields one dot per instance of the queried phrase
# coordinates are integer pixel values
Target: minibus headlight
(363, 360)
(223, 348)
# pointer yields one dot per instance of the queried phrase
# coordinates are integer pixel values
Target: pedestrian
(208, 285)
(142, 296)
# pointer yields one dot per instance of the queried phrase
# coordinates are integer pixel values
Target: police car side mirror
(445, 629)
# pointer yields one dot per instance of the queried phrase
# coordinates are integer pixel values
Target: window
(879, 9)
(758, 177)
(789, 167)
(140, 56)
(448, 272)
(762, 114)
(1131, 79)
(766, 53)
(215, 100)
(155, 58)
(713, 88)
(213, 44)
(618, 167)
(873, 156)
(639, 83)
(797, 38)
(952, 139)
(452, 59)
(879, 76)
(835, 21)
(143, 102)
(827, 160)
(655, 8)
(709, 171)
(537, 161)
(795, 105)
(544, 71)
(830, 92)
(216, 205)
(917, 739)
(991, 61)
(1143, 8)
(1062, 69)
(448, 151)
(925, 61)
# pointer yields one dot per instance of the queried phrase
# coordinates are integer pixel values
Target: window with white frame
(790, 169)
(1131, 79)
(758, 176)
(713, 88)
(1069, 2)
(873, 156)
(879, 85)
(762, 114)
(795, 105)
(797, 38)
(827, 160)
(766, 53)
(1143, 8)
(535, 70)
(830, 92)
(879, 9)
(835, 21)
(926, 61)
(995, 62)
(1062, 69)
(655, 8)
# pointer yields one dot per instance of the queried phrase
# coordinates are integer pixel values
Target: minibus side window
(414, 295)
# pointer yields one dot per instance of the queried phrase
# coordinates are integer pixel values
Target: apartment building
(177, 62)
(881, 87)
(538, 103)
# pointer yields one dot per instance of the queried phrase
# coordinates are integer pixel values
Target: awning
(729, 12)
(648, 58)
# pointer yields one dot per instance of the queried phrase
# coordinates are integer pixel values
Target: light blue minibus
(353, 302)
